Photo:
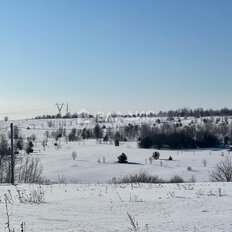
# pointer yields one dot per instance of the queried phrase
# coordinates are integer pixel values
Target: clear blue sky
(115, 55)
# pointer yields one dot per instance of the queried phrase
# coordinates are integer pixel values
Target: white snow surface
(87, 202)
(87, 169)
(58, 164)
(204, 207)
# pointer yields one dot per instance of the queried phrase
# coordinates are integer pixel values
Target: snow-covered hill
(89, 167)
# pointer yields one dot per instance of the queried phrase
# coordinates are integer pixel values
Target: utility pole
(59, 107)
(12, 153)
(67, 109)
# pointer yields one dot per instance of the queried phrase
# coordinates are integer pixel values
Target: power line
(59, 107)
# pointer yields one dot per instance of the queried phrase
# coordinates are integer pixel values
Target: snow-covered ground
(87, 169)
(87, 202)
(203, 207)
(58, 164)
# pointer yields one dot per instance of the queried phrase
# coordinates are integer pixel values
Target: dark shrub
(122, 158)
(176, 179)
(156, 155)
(97, 131)
(4, 148)
(117, 135)
(116, 142)
(72, 135)
(106, 138)
(29, 147)
(19, 144)
(142, 177)
(57, 135)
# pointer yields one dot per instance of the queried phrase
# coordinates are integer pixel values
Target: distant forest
(183, 112)
(176, 134)
(197, 113)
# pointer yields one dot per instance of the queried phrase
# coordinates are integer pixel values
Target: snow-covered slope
(87, 169)
(58, 163)
(203, 207)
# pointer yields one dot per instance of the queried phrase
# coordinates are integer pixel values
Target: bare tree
(223, 171)
(204, 161)
(4, 160)
(74, 155)
(30, 170)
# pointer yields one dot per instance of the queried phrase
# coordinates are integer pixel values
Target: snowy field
(87, 169)
(203, 207)
(84, 200)
(59, 166)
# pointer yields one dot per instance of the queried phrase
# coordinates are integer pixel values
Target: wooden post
(12, 153)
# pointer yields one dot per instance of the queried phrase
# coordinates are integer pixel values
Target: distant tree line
(173, 136)
(206, 134)
(209, 132)
(197, 113)
(65, 116)
(183, 112)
